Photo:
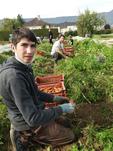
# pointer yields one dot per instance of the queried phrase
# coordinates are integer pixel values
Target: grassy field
(103, 36)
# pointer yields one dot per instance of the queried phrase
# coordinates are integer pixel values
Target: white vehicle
(39, 39)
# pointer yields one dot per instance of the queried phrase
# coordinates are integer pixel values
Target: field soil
(100, 114)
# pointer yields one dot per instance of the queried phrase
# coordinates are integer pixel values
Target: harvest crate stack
(69, 50)
(53, 84)
(40, 53)
(49, 79)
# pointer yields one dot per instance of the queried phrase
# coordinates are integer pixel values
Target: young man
(50, 36)
(30, 121)
(71, 40)
(58, 51)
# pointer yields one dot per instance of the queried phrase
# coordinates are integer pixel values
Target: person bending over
(58, 52)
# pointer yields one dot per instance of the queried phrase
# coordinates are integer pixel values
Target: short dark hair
(23, 32)
(60, 35)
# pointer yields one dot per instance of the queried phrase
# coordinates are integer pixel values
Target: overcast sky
(51, 8)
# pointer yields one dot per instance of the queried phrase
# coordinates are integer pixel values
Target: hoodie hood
(12, 62)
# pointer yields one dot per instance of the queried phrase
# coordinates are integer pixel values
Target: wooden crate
(52, 104)
(53, 88)
(40, 53)
(50, 84)
(49, 79)
(69, 49)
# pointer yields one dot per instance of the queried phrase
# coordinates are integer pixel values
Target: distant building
(67, 26)
(36, 23)
(112, 26)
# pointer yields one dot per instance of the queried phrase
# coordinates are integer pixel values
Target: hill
(108, 16)
(57, 20)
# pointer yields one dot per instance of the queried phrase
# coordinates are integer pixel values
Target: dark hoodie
(24, 102)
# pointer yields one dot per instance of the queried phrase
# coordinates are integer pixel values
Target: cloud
(50, 8)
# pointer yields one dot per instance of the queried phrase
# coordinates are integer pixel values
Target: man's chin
(27, 61)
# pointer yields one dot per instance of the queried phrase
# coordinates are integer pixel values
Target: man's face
(61, 39)
(25, 50)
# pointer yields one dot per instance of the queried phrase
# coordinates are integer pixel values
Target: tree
(8, 24)
(107, 26)
(20, 21)
(88, 22)
(11, 24)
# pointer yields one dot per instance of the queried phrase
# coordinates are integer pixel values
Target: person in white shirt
(58, 51)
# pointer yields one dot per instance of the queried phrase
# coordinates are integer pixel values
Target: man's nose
(29, 49)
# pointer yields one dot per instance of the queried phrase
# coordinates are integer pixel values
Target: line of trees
(10, 24)
(87, 23)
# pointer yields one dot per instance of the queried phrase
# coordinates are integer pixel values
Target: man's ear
(12, 47)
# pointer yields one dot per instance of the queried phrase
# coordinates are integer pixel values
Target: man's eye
(25, 45)
(33, 46)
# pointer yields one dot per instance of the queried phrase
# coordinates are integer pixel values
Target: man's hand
(67, 107)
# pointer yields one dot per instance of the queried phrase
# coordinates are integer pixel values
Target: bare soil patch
(100, 114)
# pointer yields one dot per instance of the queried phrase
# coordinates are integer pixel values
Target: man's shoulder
(56, 42)
(9, 71)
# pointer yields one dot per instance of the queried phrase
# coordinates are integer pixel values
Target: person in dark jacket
(71, 40)
(30, 120)
(50, 36)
